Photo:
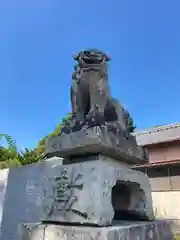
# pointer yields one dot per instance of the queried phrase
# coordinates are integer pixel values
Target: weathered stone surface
(82, 192)
(90, 93)
(24, 196)
(155, 230)
(3, 183)
(99, 123)
(95, 140)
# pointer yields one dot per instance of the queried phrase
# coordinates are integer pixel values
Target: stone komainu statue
(90, 91)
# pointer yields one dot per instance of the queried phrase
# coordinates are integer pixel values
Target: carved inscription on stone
(63, 191)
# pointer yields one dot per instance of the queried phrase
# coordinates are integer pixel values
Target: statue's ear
(73, 75)
(107, 58)
(76, 57)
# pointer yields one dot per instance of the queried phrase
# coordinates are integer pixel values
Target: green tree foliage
(10, 157)
(6, 153)
(9, 163)
(11, 143)
(28, 156)
(41, 145)
(131, 125)
(63, 123)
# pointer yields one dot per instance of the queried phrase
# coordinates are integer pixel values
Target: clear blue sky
(38, 38)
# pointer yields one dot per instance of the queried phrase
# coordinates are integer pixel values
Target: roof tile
(160, 134)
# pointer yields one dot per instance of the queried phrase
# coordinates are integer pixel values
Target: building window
(157, 172)
(174, 170)
(159, 179)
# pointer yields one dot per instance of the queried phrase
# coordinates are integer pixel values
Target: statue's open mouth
(92, 58)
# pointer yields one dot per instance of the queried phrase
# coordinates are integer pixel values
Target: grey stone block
(156, 230)
(24, 195)
(96, 140)
(3, 183)
(82, 192)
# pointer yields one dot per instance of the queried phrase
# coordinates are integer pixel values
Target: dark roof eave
(157, 164)
(159, 142)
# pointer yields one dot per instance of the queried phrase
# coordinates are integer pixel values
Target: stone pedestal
(82, 192)
(155, 230)
(96, 140)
